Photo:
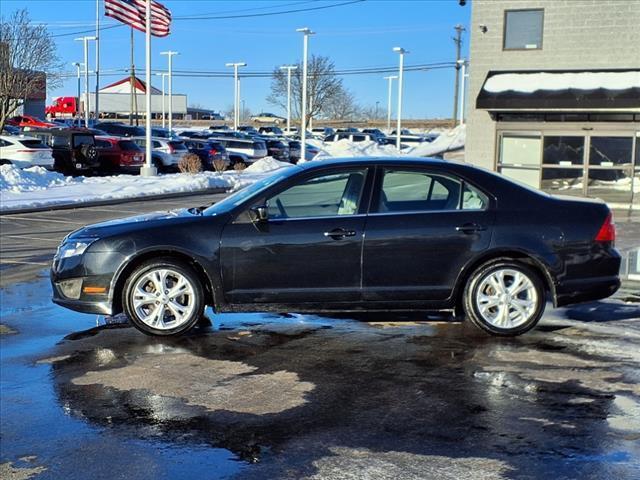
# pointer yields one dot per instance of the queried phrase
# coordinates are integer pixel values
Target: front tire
(504, 297)
(164, 297)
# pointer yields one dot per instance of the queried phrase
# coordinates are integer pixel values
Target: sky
(356, 35)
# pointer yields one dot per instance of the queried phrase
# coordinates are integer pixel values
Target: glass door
(611, 167)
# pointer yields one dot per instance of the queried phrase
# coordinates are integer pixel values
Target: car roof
(366, 161)
(17, 137)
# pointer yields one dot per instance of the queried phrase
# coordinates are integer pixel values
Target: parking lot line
(25, 237)
(52, 220)
(18, 262)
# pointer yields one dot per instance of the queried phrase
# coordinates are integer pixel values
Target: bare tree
(28, 60)
(322, 88)
(342, 106)
(245, 113)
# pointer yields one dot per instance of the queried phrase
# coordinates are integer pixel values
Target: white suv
(166, 153)
(254, 149)
(24, 152)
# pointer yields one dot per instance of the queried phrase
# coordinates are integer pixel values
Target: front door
(423, 228)
(309, 249)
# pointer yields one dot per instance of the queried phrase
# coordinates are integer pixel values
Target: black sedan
(349, 235)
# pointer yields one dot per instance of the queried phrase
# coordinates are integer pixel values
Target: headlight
(71, 249)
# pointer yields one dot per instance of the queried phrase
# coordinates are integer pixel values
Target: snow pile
(451, 140)
(37, 187)
(266, 164)
(34, 178)
(347, 148)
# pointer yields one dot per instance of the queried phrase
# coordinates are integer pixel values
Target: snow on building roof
(613, 89)
(531, 82)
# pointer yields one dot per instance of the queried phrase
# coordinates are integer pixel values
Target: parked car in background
(208, 151)
(24, 152)
(374, 131)
(254, 149)
(266, 117)
(347, 129)
(248, 130)
(409, 235)
(352, 137)
(120, 129)
(290, 131)
(295, 151)
(10, 130)
(310, 152)
(277, 149)
(74, 149)
(270, 130)
(118, 155)
(322, 132)
(23, 121)
(219, 127)
(166, 153)
(163, 133)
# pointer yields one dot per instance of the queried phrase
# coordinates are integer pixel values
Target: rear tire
(164, 297)
(504, 297)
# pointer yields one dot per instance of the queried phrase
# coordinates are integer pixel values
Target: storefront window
(520, 158)
(564, 151)
(567, 181)
(611, 151)
(613, 185)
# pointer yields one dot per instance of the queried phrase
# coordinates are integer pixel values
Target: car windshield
(83, 140)
(240, 196)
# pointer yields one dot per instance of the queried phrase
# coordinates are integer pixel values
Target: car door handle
(338, 233)
(470, 228)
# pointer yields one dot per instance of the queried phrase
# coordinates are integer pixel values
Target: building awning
(613, 89)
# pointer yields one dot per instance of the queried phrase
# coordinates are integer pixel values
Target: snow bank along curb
(36, 188)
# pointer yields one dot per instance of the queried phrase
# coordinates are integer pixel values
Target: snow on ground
(37, 187)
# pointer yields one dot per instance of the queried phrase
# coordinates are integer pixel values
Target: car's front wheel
(164, 297)
(504, 297)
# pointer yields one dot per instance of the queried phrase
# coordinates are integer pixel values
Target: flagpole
(148, 170)
(132, 74)
(97, 59)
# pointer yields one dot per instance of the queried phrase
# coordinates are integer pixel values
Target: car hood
(129, 224)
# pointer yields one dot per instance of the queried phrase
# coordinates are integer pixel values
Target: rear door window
(79, 140)
(128, 146)
(33, 144)
(418, 191)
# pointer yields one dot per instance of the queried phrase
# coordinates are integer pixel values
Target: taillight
(607, 232)
(171, 149)
(213, 152)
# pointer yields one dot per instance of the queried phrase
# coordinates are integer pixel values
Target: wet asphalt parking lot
(257, 396)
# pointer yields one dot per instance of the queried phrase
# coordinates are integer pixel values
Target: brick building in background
(554, 95)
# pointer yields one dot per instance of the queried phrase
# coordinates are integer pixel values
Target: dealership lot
(295, 396)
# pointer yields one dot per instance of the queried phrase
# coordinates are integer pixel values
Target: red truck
(63, 106)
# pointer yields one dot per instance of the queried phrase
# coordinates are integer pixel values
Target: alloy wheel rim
(163, 299)
(506, 298)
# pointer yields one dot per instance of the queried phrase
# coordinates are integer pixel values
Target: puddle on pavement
(308, 395)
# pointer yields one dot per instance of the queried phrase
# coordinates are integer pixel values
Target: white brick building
(554, 94)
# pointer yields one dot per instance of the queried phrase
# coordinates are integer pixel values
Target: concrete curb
(114, 201)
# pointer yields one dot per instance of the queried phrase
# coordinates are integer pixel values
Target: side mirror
(260, 213)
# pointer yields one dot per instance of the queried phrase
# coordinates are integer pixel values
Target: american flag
(133, 12)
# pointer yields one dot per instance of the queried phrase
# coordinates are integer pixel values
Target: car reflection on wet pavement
(293, 396)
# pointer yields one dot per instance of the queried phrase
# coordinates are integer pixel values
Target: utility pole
(458, 41)
(401, 51)
(132, 80)
(97, 117)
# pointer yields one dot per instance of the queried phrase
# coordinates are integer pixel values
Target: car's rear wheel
(504, 297)
(164, 297)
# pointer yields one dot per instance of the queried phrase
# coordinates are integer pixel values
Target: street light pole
(463, 64)
(289, 68)
(305, 50)
(236, 91)
(163, 75)
(170, 54)
(85, 41)
(390, 80)
(77, 65)
(402, 52)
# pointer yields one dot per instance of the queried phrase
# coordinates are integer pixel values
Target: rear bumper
(586, 290)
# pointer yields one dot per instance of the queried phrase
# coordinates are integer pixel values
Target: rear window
(79, 140)
(259, 146)
(235, 144)
(178, 145)
(59, 141)
(128, 146)
(33, 144)
(103, 143)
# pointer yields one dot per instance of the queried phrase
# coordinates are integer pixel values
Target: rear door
(423, 227)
